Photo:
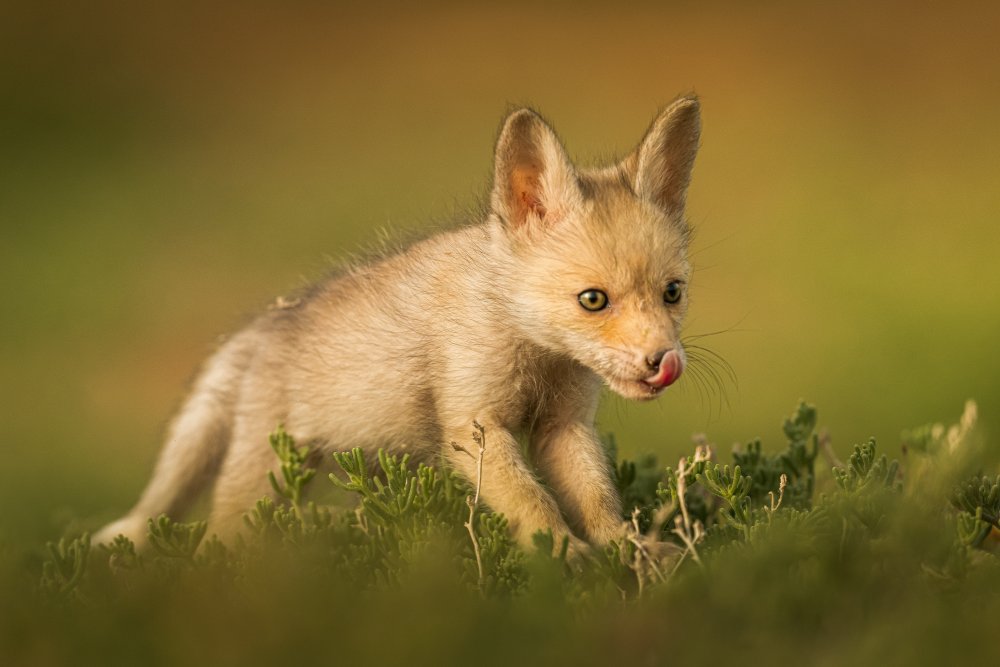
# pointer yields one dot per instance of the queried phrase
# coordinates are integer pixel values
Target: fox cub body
(576, 278)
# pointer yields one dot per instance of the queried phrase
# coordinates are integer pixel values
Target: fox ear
(660, 168)
(533, 179)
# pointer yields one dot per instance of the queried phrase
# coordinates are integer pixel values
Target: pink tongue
(671, 368)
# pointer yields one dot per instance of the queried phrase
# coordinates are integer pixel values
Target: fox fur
(484, 323)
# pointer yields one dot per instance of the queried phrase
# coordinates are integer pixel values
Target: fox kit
(574, 279)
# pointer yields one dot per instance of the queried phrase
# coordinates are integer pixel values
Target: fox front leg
(573, 461)
(508, 484)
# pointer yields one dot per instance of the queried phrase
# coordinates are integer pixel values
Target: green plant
(64, 570)
(866, 471)
(717, 540)
(174, 540)
(294, 470)
(978, 502)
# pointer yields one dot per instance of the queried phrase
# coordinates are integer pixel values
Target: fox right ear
(534, 182)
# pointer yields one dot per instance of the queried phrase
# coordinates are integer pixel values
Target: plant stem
(479, 435)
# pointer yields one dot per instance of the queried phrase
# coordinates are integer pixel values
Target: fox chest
(530, 392)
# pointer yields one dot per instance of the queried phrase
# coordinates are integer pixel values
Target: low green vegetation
(761, 556)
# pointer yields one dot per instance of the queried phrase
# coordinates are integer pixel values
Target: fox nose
(653, 360)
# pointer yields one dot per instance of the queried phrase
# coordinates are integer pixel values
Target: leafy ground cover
(763, 557)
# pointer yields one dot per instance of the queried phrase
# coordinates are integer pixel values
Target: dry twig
(479, 436)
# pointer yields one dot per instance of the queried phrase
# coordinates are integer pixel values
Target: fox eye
(593, 299)
(673, 292)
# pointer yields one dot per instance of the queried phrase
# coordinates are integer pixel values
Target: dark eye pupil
(673, 293)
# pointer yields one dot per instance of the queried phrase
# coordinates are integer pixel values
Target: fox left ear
(533, 180)
(660, 168)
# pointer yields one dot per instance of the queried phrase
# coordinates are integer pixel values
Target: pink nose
(667, 367)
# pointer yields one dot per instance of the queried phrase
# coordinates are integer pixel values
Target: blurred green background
(166, 171)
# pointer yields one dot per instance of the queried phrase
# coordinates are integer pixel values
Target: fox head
(599, 256)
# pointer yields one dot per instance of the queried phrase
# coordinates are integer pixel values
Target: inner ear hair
(533, 177)
(524, 191)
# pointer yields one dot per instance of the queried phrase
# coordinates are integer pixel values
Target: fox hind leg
(195, 448)
(243, 477)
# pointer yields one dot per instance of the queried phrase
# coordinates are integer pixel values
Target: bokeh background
(166, 171)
